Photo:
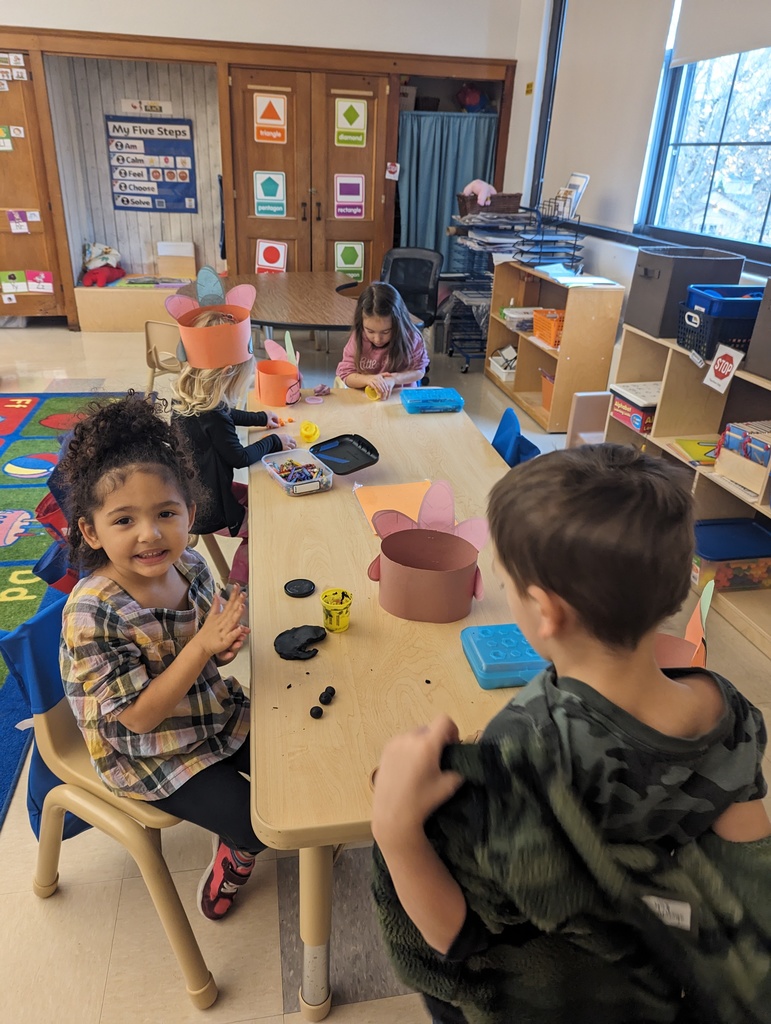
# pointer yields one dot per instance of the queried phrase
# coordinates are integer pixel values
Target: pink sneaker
(220, 881)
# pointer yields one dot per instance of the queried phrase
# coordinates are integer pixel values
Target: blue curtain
(439, 153)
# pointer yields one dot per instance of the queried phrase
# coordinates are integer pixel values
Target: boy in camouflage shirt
(541, 889)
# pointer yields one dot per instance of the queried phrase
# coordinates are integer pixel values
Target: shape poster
(349, 196)
(350, 122)
(349, 259)
(152, 164)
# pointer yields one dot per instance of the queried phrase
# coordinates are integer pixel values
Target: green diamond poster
(350, 122)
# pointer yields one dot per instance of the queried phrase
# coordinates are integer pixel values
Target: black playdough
(316, 712)
(293, 643)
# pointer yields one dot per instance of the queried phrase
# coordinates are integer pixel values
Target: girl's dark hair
(607, 528)
(112, 440)
(381, 299)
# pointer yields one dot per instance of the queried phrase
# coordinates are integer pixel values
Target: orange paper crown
(209, 348)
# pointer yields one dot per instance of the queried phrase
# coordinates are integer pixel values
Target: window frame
(757, 256)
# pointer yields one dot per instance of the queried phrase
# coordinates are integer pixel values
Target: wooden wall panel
(82, 91)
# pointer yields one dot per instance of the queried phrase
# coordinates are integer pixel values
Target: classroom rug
(359, 967)
(31, 426)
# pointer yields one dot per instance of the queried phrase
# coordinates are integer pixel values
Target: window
(713, 175)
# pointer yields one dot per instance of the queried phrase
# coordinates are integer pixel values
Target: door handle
(318, 211)
(305, 211)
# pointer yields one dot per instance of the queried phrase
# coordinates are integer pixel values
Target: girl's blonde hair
(197, 391)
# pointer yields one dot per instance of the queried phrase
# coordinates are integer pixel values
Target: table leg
(315, 926)
(326, 341)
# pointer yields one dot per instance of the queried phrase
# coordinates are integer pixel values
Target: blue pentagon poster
(152, 164)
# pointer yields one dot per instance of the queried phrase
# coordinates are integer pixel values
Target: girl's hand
(410, 784)
(222, 631)
(383, 384)
(272, 421)
(287, 442)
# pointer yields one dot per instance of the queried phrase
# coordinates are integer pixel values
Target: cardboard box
(121, 309)
(634, 404)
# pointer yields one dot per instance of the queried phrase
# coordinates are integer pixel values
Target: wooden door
(349, 160)
(270, 113)
(30, 279)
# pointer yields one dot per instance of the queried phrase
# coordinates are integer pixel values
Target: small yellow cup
(372, 393)
(336, 605)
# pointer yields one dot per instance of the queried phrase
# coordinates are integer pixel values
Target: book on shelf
(698, 451)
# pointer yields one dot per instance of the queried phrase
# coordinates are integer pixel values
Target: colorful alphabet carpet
(31, 427)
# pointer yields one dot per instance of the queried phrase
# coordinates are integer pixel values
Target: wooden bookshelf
(687, 408)
(582, 361)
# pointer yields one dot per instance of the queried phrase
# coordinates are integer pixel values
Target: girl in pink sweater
(385, 349)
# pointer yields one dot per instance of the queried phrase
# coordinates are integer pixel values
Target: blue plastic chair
(510, 443)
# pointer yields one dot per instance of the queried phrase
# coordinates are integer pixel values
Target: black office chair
(414, 273)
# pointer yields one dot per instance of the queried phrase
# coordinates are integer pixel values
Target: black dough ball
(330, 690)
(325, 698)
(316, 712)
(293, 644)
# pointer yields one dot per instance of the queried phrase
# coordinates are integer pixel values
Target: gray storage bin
(758, 358)
(661, 280)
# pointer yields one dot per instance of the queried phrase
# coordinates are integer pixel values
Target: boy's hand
(409, 784)
(272, 421)
(222, 631)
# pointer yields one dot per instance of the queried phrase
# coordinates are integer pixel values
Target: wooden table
(311, 779)
(301, 300)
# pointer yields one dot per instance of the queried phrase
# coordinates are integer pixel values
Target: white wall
(487, 28)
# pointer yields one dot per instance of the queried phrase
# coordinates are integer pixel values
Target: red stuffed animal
(102, 276)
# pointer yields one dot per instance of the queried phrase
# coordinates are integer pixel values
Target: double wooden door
(309, 162)
(30, 279)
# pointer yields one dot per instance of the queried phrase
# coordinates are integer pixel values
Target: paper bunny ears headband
(210, 348)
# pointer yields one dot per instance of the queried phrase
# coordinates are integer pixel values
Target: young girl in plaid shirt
(144, 634)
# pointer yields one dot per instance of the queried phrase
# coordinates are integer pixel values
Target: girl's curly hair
(111, 441)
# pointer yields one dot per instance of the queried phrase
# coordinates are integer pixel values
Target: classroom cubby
(689, 409)
(582, 361)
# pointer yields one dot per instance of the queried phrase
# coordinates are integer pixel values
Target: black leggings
(443, 1013)
(217, 798)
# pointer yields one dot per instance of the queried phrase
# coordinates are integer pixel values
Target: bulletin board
(152, 164)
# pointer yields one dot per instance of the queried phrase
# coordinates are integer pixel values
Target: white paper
(722, 368)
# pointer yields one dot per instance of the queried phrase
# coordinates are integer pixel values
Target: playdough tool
(309, 432)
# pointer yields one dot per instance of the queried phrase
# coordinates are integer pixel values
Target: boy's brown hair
(605, 527)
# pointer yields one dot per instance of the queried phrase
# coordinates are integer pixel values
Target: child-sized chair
(31, 653)
(214, 552)
(160, 350)
(510, 443)
(690, 650)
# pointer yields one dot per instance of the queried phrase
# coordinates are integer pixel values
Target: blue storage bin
(431, 400)
(725, 299)
(500, 656)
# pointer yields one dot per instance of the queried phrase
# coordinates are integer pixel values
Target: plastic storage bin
(725, 299)
(548, 325)
(735, 553)
(431, 400)
(321, 482)
(661, 280)
(500, 656)
(703, 333)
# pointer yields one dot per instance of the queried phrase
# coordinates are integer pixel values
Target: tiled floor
(95, 952)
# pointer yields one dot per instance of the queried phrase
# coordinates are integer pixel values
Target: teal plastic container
(500, 656)
(431, 400)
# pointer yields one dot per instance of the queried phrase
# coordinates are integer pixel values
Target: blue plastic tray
(721, 539)
(500, 656)
(725, 299)
(431, 400)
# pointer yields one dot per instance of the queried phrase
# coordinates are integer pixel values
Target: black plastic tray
(345, 453)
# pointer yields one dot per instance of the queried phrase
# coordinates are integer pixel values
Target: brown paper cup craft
(427, 570)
